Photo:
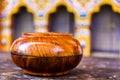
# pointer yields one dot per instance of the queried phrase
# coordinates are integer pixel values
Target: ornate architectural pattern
(9, 6)
(4, 3)
(117, 2)
(83, 2)
(41, 6)
(82, 9)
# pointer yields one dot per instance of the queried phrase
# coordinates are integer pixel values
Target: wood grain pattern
(46, 44)
(46, 54)
(46, 66)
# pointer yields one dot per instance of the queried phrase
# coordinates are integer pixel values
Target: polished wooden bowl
(46, 54)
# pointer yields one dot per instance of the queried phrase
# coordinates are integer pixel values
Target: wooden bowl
(46, 54)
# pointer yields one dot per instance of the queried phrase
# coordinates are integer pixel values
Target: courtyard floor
(91, 68)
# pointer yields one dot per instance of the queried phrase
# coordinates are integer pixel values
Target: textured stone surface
(88, 69)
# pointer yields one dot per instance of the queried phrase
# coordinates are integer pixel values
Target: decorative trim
(5, 23)
(9, 7)
(117, 2)
(6, 32)
(83, 23)
(41, 23)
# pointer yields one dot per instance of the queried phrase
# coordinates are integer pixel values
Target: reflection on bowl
(46, 54)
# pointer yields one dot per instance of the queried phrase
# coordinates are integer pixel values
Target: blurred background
(94, 23)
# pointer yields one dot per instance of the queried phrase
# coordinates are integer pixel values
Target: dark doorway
(22, 22)
(105, 31)
(62, 21)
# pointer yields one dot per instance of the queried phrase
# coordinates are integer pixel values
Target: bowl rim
(39, 34)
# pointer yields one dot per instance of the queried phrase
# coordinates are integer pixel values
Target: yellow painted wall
(41, 9)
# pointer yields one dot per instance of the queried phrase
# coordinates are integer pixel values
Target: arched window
(61, 21)
(105, 29)
(22, 22)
